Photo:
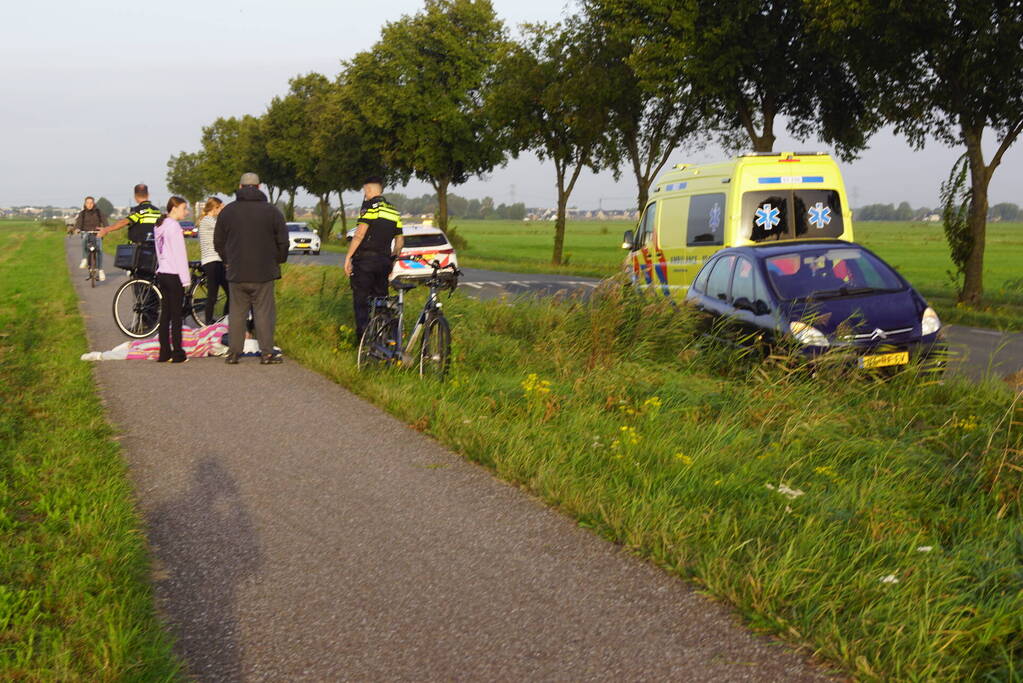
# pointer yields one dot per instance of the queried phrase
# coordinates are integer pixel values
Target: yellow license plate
(301, 246)
(884, 360)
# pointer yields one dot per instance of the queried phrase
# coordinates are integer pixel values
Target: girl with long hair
(212, 265)
(172, 277)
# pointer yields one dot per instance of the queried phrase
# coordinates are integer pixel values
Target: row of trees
(1005, 211)
(446, 95)
(458, 207)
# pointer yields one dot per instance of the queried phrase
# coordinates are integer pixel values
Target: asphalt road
(977, 352)
(300, 533)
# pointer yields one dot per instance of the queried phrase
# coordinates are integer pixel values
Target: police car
(302, 240)
(424, 243)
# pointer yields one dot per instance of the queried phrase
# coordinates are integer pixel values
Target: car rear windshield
(827, 273)
(789, 214)
(428, 240)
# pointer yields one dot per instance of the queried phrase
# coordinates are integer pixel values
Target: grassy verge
(75, 602)
(878, 523)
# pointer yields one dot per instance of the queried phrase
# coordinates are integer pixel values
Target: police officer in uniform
(371, 255)
(141, 219)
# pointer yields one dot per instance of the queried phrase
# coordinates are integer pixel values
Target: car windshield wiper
(846, 291)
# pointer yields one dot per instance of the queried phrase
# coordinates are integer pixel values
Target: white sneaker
(81, 266)
(102, 276)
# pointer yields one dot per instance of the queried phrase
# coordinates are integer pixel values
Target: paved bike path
(300, 533)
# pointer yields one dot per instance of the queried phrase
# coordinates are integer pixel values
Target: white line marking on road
(474, 285)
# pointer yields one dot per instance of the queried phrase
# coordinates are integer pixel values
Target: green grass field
(75, 601)
(876, 522)
(918, 250)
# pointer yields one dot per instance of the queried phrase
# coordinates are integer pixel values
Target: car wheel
(316, 253)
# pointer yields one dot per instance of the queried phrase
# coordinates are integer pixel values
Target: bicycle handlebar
(435, 264)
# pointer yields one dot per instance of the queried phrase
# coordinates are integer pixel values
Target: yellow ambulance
(695, 210)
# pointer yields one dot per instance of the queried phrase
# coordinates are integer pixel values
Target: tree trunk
(341, 212)
(644, 191)
(559, 226)
(976, 220)
(326, 225)
(442, 203)
(290, 215)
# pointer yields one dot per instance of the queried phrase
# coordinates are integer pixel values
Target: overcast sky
(97, 96)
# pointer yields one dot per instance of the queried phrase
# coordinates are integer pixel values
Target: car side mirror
(627, 240)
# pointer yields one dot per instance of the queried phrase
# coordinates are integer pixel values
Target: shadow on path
(215, 550)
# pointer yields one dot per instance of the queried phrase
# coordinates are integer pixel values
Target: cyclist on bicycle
(90, 219)
(371, 254)
(141, 219)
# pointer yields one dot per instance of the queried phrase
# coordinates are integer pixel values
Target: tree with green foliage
(551, 95)
(423, 93)
(647, 120)
(1005, 211)
(347, 153)
(185, 177)
(105, 207)
(754, 61)
(948, 69)
(289, 127)
(227, 152)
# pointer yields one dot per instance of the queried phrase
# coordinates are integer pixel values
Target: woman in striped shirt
(212, 266)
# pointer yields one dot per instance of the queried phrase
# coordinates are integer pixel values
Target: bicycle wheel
(197, 298)
(137, 308)
(435, 352)
(93, 275)
(374, 345)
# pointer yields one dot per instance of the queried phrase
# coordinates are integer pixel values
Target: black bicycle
(382, 340)
(137, 302)
(92, 257)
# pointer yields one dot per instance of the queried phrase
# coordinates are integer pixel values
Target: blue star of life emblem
(819, 215)
(768, 217)
(715, 218)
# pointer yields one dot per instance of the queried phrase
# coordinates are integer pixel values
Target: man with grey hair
(252, 239)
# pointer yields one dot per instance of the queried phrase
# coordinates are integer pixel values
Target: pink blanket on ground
(197, 343)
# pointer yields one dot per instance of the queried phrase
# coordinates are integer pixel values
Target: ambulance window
(818, 213)
(717, 284)
(765, 215)
(646, 225)
(706, 220)
(742, 281)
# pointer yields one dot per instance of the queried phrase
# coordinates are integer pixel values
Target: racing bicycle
(383, 340)
(137, 302)
(92, 248)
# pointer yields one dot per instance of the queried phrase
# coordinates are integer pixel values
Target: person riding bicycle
(141, 220)
(371, 255)
(90, 219)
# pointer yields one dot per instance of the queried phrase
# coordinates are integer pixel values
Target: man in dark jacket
(252, 239)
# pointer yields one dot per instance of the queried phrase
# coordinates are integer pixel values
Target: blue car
(820, 295)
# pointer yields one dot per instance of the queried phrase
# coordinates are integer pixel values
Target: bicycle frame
(432, 304)
(401, 349)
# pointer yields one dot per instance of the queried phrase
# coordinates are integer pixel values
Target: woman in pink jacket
(172, 277)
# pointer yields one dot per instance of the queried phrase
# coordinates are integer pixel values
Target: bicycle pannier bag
(125, 256)
(145, 257)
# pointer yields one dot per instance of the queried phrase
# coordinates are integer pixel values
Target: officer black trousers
(369, 280)
(169, 329)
